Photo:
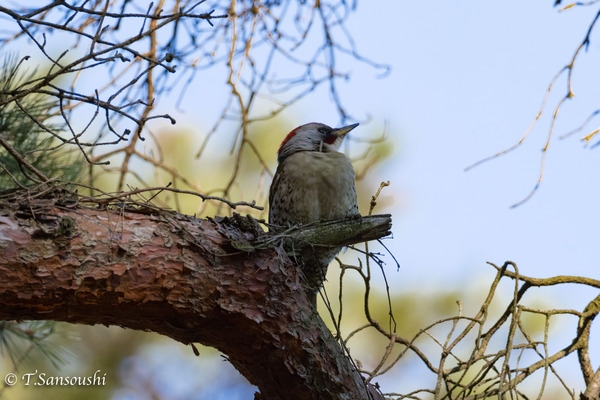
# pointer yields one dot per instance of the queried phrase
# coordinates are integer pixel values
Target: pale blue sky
(468, 78)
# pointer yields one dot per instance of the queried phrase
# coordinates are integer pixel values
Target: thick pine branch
(181, 277)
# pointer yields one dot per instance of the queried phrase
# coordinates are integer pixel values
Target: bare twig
(569, 95)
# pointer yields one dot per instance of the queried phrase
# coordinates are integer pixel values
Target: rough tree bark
(182, 277)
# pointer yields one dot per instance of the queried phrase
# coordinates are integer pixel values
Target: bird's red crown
(288, 137)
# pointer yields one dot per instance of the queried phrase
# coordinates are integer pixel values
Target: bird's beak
(343, 131)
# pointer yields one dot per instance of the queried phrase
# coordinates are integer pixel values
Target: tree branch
(178, 276)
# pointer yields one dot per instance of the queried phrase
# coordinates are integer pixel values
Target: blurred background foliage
(23, 124)
(140, 365)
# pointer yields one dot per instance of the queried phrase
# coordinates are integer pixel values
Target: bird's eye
(323, 130)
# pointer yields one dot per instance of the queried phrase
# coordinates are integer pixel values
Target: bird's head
(313, 137)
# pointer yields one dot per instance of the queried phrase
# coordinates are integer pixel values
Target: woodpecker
(314, 182)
